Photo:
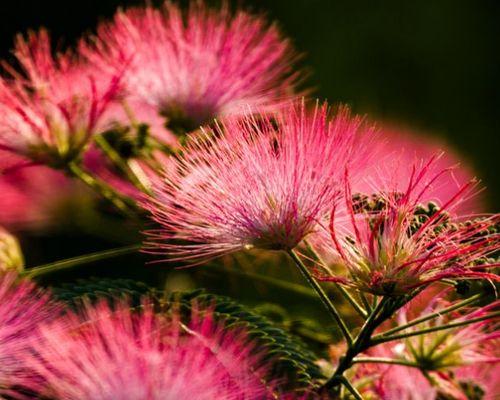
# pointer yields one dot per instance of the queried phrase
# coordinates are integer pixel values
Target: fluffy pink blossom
(50, 111)
(22, 308)
(399, 148)
(398, 247)
(113, 354)
(193, 66)
(254, 182)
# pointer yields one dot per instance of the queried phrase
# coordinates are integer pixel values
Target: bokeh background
(432, 65)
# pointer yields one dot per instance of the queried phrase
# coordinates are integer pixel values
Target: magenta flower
(113, 354)
(193, 66)
(254, 182)
(401, 245)
(22, 308)
(50, 111)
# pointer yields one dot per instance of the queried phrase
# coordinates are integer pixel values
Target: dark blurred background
(433, 65)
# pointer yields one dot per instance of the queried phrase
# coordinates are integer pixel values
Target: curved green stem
(122, 203)
(383, 339)
(352, 301)
(352, 389)
(436, 314)
(383, 360)
(80, 260)
(120, 163)
(323, 296)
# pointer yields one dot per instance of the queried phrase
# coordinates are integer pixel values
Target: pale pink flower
(398, 245)
(193, 66)
(254, 182)
(399, 148)
(50, 110)
(114, 354)
(22, 308)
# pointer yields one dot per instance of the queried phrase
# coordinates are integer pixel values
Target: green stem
(352, 389)
(80, 260)
(383, 339)
(339, 287)
(120, 163)
(383, 360)
(361, 343)
(323, 296)
(125, 205)
(436, 314)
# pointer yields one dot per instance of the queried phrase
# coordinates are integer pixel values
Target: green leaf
(94, 289)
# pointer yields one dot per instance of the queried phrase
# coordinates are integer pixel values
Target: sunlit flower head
(254, 182)
(196, 65)
(390, 243)
(22, 308)
(113, 354)
(50, 110)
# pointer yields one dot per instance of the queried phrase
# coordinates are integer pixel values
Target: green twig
(116, 159)
(383, 360)
(436, 314)
(122, 203)
(352, 301)
(80, 260)
(383, 339)
(322, 295)
(352, 389)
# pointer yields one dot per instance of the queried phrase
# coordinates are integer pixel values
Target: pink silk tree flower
(399, 148)
(50, 110)
(392, 243)
(196, 65)
(254, 182)
(22, 308)
(121, 354)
